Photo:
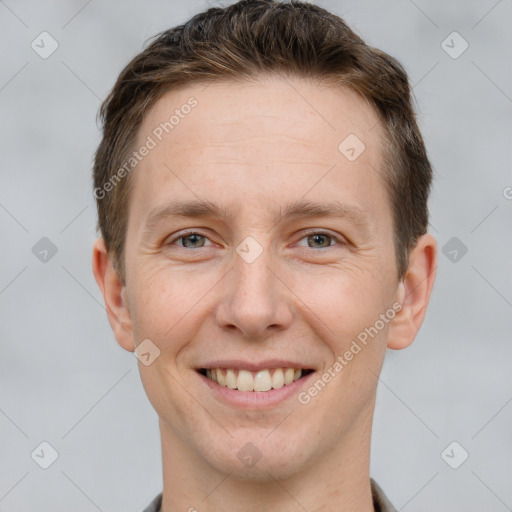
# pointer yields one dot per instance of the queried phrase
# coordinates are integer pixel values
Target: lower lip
(255, 399)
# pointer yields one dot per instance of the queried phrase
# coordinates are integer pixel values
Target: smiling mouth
(262, 380)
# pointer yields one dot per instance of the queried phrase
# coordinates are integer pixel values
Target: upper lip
(253, 366)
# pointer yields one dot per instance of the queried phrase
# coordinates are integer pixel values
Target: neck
(337, 481)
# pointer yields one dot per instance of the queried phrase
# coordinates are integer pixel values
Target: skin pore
(254, 149)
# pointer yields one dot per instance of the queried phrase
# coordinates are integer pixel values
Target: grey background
(65, 380)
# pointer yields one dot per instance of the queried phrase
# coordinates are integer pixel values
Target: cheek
(167, 302)
(342, 314)
(341, 301)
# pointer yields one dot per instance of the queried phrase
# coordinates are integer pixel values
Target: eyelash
(306, 235)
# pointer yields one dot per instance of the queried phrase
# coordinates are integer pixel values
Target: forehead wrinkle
(253, 139)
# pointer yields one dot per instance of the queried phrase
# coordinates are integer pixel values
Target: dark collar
(380, 501)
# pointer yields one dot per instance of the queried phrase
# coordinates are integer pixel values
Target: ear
(414, 293)
(114, 295)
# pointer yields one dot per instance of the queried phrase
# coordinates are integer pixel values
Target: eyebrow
(300, 208)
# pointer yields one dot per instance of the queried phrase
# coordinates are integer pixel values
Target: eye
(190, 240)
(321, 240)
(195, 240)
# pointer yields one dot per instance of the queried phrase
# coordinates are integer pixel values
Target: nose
(255, 299)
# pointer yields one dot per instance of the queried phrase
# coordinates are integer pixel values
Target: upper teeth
(261, 380)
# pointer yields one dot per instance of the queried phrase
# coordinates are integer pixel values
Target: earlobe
(414, 293)
(114, 295)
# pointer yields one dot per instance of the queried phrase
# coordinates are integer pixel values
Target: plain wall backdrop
(66, 381)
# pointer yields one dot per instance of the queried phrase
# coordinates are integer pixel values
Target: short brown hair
(246, 40)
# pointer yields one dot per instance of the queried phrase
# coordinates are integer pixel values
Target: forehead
(272, 138)
(310, 111)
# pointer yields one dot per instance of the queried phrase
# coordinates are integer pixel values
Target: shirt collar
(380, 500)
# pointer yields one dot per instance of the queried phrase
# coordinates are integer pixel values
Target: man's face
(257, 289)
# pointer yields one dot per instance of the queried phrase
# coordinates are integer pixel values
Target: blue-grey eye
(195, 239)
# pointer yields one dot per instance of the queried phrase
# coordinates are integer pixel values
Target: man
(262, 192)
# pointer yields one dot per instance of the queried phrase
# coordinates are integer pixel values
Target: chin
(260, 458)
